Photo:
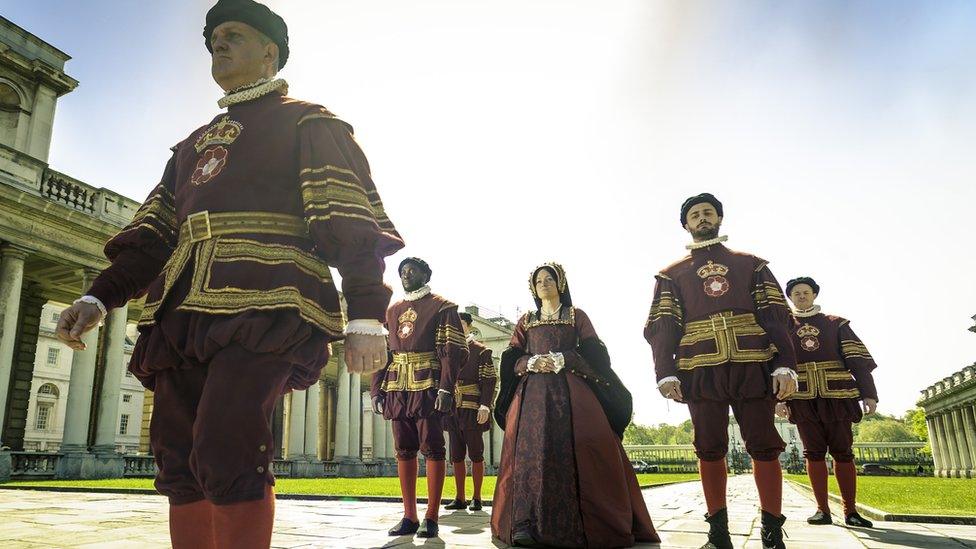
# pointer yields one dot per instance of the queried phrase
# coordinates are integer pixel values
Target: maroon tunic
(276, 161)
(719, 322)
(834, 368)
(428, 325)
(475, 387)
(564, 475)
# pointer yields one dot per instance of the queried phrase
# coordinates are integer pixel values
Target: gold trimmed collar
(812, 311)
(420, 292)
(254, 90)
(706, 243)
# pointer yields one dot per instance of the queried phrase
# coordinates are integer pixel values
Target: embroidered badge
(224, 132)
(716, 285)
(210, 163)
(808, 337)
(406, 322)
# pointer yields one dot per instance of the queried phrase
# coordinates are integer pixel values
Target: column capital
(9, 249)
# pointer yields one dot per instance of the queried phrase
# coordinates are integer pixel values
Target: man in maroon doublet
(835, 373)
(719, 331)
(416, 388)
(232, 250)
(474, 392)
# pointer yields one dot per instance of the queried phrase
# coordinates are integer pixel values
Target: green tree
(885, 430)
(638, 434)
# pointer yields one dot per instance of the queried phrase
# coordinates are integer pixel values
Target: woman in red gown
(564, 479)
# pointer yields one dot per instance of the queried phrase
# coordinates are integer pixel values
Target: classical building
(950, 414)
(52, 231)
(50, 386)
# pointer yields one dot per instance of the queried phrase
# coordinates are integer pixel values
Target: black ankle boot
(457, 504)
(475, 505)
(820, 518)
(855, 519)
(718, 530)
(523, 538)
(428, 529)
(772, 531)
(405, 527)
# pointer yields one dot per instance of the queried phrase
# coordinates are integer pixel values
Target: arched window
(49, 390)
(10, 108)
(47, 399)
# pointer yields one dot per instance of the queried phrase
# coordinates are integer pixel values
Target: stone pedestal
(307, 469)
(84, 465)
(352, 468)
(6, 465)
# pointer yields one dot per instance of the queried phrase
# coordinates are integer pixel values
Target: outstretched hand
(75, 322)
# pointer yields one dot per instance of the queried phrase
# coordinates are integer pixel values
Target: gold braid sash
(407, 365)
(724, 329)
(818, 375)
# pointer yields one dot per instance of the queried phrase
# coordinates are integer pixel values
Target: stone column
(107, 419)
(12, 259)
(962, 442)
(950, 437)
(379, 437)
(355, 417)
(934, 445)
(342, 414)
(78, 406)
(497, 437)
(969, 423)
(312, 422)
(943, 445)
(296, 426)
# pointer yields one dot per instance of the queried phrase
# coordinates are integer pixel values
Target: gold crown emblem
(807, 330)
(409, 315)
(712, 269)
(224, 132)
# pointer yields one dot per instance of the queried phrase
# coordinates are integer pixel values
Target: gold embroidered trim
(665, 304)
(158, 214)
(486, 371)
(724, 329)
(325, 114)
(854, 349)
(767, 294)
(406, 366)
(202, 297)
(461, 391)
(329, 168)
(449, 335)
(531, 320)
(817, 377)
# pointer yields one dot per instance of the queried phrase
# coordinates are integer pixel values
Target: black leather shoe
(718, 530)
(475, 505)
(854, 519)
(772, 531)
(523, 538)
(406, 527)
(428, 529)
(456, 504)
(820, 518)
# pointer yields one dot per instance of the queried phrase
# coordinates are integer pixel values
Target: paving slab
(31, 519)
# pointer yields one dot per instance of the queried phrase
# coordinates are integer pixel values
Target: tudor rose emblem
(406, 322)
(808, 337)
(715, 285)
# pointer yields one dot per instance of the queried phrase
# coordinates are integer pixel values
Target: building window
(124, 424)
(55, 317)
(53, 355)
(128, 373)
(48, 390)
(127, 398)
(43, 415)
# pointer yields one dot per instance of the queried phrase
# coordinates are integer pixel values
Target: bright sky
(508, 133)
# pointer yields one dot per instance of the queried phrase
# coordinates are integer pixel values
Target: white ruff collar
(706, 243)
(417, 294)
(249, 92)
(812, 311)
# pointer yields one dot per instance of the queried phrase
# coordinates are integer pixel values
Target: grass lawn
(911, 495)
(383, 486)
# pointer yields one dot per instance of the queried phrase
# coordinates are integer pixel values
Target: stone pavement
(56, 519)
